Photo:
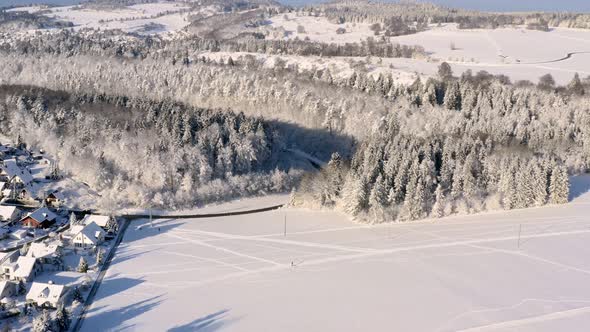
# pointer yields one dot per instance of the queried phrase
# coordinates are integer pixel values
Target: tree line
(140, 152)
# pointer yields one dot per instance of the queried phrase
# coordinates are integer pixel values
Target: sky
(489, 5)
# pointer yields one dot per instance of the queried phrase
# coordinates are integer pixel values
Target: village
(50, 254)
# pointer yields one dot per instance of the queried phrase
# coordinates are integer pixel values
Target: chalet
(30, 192)
(13, 172)
(87, 236)
(24, 269)
(40, 218)
(54, 198)
(46, 295)
(102, 221)
(45, 253)
(7, 289)
(9, 213)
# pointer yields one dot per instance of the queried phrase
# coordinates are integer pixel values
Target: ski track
(287, 242)
(347, 257)
(529, 320)
(204, 244)
(522, 302)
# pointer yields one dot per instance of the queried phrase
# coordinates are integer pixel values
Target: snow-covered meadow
(516, 52)
(522, 270)
(156, 17)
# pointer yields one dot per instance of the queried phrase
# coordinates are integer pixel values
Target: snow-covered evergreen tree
(438, 209)
(42, 322)
(82, 265)
(62, 319)
(73, 220)
(559, 185)
(355, 194)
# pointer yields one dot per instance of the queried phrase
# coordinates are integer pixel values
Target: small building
(45, 253)
(6, 150)
(24, 269)
(19, 234)
(46, 295)
(15, 173)
(7, 289)
(40, 218)
(87, 236)
(9, 213)
(101, 221)
(54, 198)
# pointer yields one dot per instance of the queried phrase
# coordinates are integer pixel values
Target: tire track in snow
(529, 320)
(287, 242)
(344, 257)
(204, 244)
(510, 307)
(211, 260)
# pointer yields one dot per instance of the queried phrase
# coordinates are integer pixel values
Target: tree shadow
(579, 185)
(209, 323)
(317, 142)
(141, 229)
(114, 284)
(117, 319)
(122, 256)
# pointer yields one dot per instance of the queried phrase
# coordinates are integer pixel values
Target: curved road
(568, 56)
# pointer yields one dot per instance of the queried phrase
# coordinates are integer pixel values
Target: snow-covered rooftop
(43, 214)
(7, 212)
(41, 250)
(11, 168)
(92, 231)
(24, 266)
(45, 292)
(100, 220)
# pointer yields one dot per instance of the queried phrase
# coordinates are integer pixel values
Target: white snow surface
(516, 52)
(132, 18)
(469, 273)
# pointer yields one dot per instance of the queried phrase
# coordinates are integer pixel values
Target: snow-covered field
(516, 52)
(330, 274)
(319, 29)
(154, 17)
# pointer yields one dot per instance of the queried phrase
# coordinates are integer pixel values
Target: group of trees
(12, 21)
(44, 323)
(139, 152)
(460, 146)
(276, 94)
(434, 177)
(420, 14)
(105, 43)
(430, 148)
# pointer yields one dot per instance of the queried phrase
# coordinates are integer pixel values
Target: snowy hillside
(471, 273)
(242, 165)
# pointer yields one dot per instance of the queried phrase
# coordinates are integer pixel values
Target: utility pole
(151, 221)
(519, 232)
(285, 229)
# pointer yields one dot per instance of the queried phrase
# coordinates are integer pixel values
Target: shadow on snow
(209, 323)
